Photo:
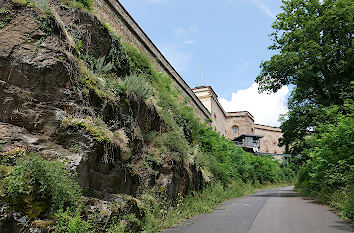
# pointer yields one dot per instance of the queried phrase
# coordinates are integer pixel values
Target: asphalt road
(279, 210)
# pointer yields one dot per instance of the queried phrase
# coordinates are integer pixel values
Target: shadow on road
(343, 226)
(279, 194)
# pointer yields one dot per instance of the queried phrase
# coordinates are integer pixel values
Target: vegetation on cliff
(140, 157)
(315, 44)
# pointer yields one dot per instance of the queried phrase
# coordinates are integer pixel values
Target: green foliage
(227, 162)
(138, 62)
(95, 127)
(170, 143)
(47, 23)
(102, 67)
(5, 17)
(137, 88)
(21, 2)
(315, 44)
(82, 4)
(74, 148)
(35, 185)
(41, 5)
(329, 173)
(4, 11)
(159, 214)
(70, 223)
(118, 57)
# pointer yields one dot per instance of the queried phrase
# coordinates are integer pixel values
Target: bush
(229, 162)
(138, 62)
(329, 173)
(35, 185)
(68, 223)
(137, 88)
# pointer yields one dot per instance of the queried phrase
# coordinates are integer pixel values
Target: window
(234, 129)
(255, 141)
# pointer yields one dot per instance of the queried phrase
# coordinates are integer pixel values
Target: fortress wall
(219, 117)
(244, 122)
(115, 16)
(210, 100)
(269, 143)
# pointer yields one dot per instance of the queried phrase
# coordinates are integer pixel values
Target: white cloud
(263, 7)
(265, 108)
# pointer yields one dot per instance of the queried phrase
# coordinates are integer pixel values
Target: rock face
(40, 87)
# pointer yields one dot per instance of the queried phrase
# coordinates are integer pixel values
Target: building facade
(239, 126)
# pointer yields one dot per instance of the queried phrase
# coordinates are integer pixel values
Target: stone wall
(115, 16)
(242, 120)
(269, 143)
(218, 116)
(210, 100)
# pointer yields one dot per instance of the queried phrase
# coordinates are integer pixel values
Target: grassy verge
(197, 203)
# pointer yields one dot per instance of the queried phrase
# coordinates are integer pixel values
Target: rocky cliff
(70, 91)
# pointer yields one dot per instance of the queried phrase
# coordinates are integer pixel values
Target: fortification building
(239, 126)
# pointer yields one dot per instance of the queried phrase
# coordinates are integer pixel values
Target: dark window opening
(235, 129)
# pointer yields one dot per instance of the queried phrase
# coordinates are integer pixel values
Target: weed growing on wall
(5, 17)
(82, 4)
(137, 88)
(71, 222)
(35, 186)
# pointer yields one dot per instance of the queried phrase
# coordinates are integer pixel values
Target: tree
(315, 43)
(329, 171)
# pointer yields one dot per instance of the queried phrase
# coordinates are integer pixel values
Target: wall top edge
(267, 127)
(148, 44)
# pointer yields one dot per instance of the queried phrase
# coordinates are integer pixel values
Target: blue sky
(228, 37)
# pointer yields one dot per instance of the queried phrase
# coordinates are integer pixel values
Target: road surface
(279, 210)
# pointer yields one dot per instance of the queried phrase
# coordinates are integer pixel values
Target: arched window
(235, 129)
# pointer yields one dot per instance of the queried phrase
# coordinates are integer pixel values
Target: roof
(247, 135)
(208, 87)
(237, 112)
(196, 90)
